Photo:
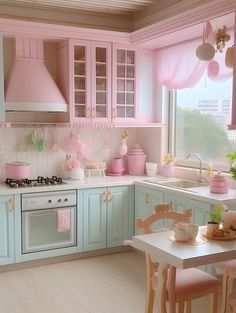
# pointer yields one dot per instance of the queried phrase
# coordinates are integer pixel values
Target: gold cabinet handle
(104, 197)
(10, 205)
(147, 200)
(109, 196)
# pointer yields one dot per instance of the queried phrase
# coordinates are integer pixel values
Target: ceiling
(102, 6)
(118, 15)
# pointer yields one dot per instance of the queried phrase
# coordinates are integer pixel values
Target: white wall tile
(99, 144)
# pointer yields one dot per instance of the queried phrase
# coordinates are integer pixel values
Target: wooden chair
(190, 283)
(229, 275)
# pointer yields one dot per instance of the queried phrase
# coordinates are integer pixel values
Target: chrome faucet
(200, 175)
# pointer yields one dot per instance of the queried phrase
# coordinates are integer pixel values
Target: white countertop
(198, 193)
(88, 182)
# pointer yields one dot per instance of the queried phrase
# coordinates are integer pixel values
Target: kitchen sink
(183, 184)
(180, 184)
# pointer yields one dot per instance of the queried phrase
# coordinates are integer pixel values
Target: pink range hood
(29, 86)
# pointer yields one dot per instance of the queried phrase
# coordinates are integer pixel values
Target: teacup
(192, 231)
(185, 231)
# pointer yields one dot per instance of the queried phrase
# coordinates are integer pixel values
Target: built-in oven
(48, 220)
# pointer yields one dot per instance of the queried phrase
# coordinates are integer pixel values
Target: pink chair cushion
(191, 280)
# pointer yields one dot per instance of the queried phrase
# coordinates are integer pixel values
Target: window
(200, 119)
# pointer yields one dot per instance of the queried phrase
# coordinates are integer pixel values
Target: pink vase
(168, 170)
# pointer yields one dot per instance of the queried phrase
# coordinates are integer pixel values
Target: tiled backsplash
(99, 143)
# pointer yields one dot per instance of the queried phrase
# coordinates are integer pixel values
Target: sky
(205, 89)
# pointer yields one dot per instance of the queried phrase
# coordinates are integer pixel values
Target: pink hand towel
(63, 220)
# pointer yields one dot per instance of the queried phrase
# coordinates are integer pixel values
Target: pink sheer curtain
(178, 66)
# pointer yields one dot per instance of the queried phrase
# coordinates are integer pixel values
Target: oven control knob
(66, 200)
(49, 201)
(59, 200)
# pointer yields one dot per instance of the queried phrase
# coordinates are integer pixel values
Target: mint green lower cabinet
(145, 201)
(6, 230)
(94, 219)
(120, 216)
(108, 217)
(199, 209)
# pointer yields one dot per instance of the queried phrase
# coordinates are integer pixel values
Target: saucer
(115, 174)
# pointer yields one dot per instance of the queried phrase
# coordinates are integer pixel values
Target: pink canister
(219, 184)
(136, 159)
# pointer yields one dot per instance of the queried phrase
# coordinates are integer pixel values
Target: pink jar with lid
(136, 159)
(219, 184)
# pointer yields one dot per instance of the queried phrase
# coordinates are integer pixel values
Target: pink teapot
(219, 184)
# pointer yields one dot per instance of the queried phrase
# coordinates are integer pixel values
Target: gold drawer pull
(147, 200)
(10, 205)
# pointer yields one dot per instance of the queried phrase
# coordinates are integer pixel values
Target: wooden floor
(106, 284)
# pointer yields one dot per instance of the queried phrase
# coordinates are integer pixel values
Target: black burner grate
(40, 181)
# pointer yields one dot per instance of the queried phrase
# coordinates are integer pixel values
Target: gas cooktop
(40, 181)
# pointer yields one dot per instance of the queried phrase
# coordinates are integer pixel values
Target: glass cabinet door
(101, 78)
(124, 84)
(80, 80)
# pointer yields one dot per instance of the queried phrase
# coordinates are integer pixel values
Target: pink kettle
(219, 184)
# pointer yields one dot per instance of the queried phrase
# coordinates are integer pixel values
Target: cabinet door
(80, 56)
(6, 230)
(124, 84)
(120, 209)
(178, 203)
(145, 201)
(199, 209)
(94, 219)
(101, 82)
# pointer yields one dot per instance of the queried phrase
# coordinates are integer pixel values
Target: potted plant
(232, 161)
(168, 165)
(215, 218)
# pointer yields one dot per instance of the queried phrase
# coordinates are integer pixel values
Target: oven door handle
(42, 212)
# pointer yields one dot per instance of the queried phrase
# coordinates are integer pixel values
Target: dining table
(172, 254)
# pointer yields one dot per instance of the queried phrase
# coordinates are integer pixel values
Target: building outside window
(200, 119)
